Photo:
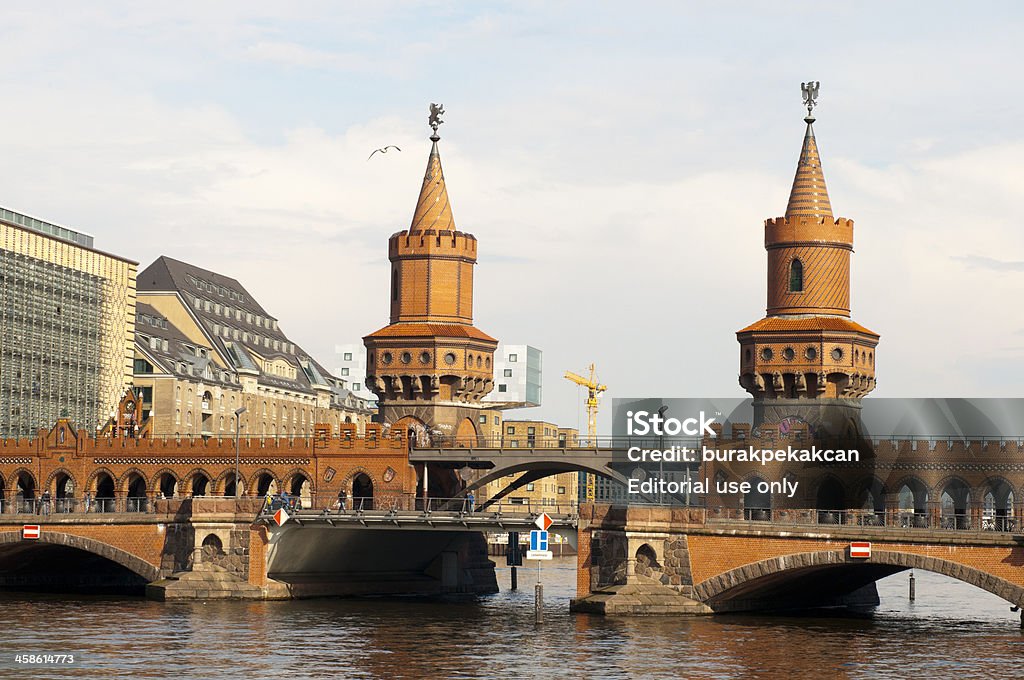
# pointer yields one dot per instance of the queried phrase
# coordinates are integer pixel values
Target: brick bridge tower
(430, 366)
(807, 360)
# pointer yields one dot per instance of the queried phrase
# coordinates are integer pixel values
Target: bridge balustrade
(867, 518)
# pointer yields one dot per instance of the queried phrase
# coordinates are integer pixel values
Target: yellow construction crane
(594, 389)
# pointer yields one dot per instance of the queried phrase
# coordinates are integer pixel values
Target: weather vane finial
(810, 92)
(436, 111)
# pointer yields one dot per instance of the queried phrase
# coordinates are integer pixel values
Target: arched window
(796, 276)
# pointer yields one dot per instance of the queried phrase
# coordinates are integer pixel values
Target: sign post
(539, 551)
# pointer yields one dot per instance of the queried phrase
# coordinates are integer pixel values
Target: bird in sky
(384, 150)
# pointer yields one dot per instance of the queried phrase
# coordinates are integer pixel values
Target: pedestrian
(342, 500)
(285, 500)
(88, 501)
(46, 502)
(472, 501)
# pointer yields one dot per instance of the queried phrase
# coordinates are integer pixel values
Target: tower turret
(807, 352)
(430, 366)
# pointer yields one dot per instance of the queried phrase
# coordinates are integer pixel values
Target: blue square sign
(538, 540)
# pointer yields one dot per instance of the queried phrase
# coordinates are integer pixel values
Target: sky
(615, 161)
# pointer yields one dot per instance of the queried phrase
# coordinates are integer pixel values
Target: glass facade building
(67, 318)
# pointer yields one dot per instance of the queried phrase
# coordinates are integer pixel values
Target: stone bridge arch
(124, 558)
(754, 580)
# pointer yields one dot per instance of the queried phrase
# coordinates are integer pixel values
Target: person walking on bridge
(471, 501)
(342, 500)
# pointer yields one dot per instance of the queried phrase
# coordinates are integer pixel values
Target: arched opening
(230, 485)
(63, 492)
(3, 495)
(137, 501)
(757, 503)
(872, 503)
(913, 501)
(362, 492)
(41, 566)
(796, 276)
(831, 501)
(466, 435)
(168, 485)
(998, 506)
(301, 488)
(212, 547)
(104, 500)
(829, 579)
(200, 484)
(265, 484)
(646, 564)
(25, 492)
(955, 500)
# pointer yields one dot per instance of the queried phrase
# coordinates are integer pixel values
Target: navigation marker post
(539, 551)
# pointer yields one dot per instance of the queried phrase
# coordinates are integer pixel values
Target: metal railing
(411, 504)
(868, 518)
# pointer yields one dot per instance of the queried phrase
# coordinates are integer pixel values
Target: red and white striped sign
(30, 531)
(860, 549)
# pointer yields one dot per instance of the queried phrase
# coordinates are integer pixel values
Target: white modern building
(517, 377)
(350, 366)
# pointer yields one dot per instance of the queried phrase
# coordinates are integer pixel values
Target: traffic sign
(543, 521)
(30, 531)
(538, 540)
(539, 555)
(860, 549)
(281, 517)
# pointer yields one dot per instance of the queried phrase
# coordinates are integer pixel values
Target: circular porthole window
(811, 353)
(425, 357)
(837, 353)
(788, 354)
(449, 358)
(406, 357)
(767, 354)
(386, 358)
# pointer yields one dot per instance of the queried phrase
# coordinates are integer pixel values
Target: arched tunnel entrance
(48, 567)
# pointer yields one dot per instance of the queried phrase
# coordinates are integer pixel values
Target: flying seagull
(384, 150)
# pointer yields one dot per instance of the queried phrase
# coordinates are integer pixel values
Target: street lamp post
(238, 426)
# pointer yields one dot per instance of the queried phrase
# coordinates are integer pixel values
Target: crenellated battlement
(430, 242)
(780, 231)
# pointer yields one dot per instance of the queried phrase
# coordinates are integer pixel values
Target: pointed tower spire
(809, 196)
(433, 211)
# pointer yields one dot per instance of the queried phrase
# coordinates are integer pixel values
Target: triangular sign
(280, 517)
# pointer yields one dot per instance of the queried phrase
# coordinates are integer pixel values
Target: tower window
(394, 285)
(796, 276)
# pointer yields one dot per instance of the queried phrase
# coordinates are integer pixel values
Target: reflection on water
(952, 630)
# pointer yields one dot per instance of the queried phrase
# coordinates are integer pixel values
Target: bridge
(162, 515)
(656, 560)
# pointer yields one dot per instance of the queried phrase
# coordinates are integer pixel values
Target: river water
(952, 630)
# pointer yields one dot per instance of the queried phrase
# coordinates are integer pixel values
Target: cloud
(617, 175)
(990, 263)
